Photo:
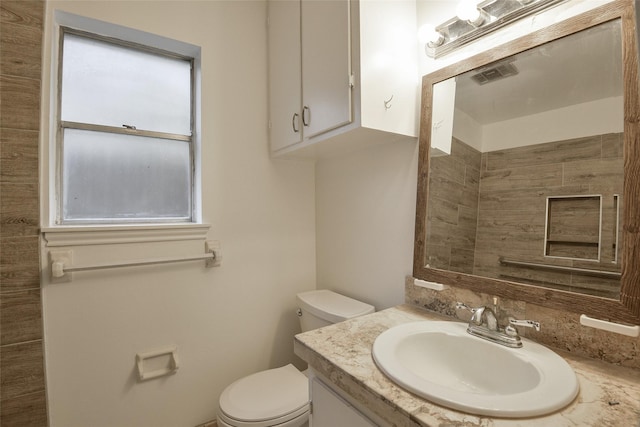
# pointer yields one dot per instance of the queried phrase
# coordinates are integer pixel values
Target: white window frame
(120, 232)
(124, 130)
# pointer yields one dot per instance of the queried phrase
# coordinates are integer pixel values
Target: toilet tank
(323, 307)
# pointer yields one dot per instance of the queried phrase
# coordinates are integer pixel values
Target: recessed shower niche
(573, 227)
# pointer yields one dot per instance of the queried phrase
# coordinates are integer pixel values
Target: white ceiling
(583, 67)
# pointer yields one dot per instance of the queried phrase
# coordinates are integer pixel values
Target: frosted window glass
(122, 177)
(112, 85)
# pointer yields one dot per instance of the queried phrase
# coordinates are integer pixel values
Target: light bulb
(428, 34)
(467, 10)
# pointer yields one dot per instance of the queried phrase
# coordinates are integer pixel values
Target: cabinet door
(389, 81)
(326, 65)
(284, 74)
(330, 410)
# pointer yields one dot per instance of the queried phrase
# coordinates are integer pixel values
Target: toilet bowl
(280, 396)
(273, 397)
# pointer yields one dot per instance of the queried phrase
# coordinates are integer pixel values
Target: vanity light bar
(495, 13)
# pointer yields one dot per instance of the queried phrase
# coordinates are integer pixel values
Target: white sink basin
(441, 362)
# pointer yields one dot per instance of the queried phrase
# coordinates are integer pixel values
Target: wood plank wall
(22, 383)
(452, 211)
(514, 187)
(486, 206)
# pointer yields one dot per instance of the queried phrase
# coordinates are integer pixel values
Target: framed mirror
(529, 169)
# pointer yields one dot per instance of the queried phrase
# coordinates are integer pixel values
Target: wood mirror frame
(627, 309)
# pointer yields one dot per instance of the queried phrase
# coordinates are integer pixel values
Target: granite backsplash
(559, 329)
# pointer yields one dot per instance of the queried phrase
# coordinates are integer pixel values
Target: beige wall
(364, 228)
(227, 321)
(22, 386)
(262, 211)
(362, 270)
(365, 218)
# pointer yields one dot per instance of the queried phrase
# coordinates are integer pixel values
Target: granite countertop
(609, 395)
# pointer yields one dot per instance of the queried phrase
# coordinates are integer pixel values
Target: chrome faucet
(484, 324)
(484, 316)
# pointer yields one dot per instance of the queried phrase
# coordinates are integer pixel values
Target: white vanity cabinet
(342, 74)
(330, 410)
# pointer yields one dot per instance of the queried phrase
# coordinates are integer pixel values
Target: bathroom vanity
(550, 272)
(340, 359)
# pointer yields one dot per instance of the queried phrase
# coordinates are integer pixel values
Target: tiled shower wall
(22, 384)
(452, 212)
(486, 206)
(514, 186)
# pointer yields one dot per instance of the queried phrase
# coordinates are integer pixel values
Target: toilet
(280, 396)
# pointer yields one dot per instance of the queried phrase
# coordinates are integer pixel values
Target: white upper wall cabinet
(326, 66)
(342, 75)
(285, 74)
(310, 67)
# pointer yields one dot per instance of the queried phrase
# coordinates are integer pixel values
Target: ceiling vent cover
(498, 72)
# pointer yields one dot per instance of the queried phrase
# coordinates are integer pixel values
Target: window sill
(117, 234)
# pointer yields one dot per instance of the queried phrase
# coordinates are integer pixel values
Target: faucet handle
(525, 323)
(461, 305)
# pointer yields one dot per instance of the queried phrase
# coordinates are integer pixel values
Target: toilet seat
(267, 398)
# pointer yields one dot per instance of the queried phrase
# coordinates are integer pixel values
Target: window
(125, 141)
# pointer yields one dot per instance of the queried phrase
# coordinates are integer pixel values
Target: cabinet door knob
(294, 121)
(306, 122)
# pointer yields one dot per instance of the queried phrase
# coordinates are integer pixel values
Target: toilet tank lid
(331, 306)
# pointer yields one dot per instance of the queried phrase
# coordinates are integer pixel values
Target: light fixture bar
(497, 13)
